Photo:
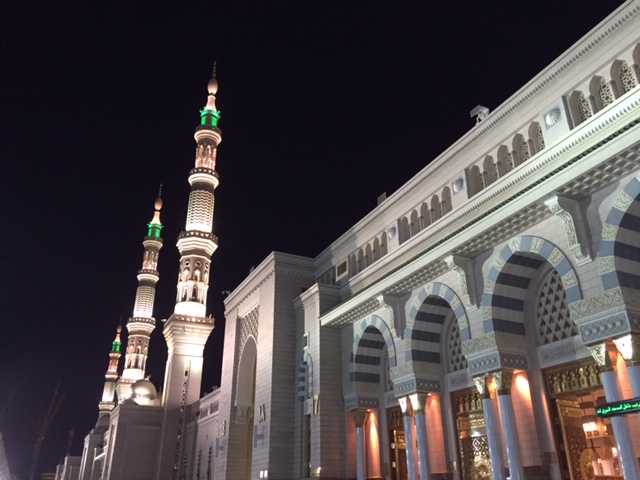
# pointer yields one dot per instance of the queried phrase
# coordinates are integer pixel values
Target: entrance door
(570, 415)
(399, 455)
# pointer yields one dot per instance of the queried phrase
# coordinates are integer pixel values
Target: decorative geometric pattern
(249, 326)
(627, 78)
(144, 301)
(508, 160)
(552, 313)
(200, 211)
(525, 154)
(457, 361)
(584, 107)
(539, 139)
(605, 93)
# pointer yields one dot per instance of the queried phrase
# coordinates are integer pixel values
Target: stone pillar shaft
(491, 425)
(359, 416)
(408, 436)
(419, 402)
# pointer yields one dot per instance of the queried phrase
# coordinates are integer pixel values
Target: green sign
(619, 408)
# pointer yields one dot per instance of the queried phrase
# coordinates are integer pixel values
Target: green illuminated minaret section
(108, 401)
(188, 329)
(142, 323)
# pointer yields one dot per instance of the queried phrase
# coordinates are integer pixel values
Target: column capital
(600, 353)
(418, 402)
(405, 406)
(503, 379)
(482, 386)
(629, 347)
(359, 416)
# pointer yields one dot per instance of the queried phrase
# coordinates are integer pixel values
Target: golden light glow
(522, 385)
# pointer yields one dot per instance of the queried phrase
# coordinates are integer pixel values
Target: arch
(476, 180)
(446, 200)
(372, 339)
(619, 251)
(352, 264)
(623, 77)
(368, 255)
(580, 106)
(536, 138)
(425, 215)
(376, 249)
(360, 262)
(510, 276)
(383, 244)
(245, 389)
(414, 224)
(403, 230)
(490, 169)
(505, 161)
(601, 92)
(521, 148)
(436, 210)
(432, 306)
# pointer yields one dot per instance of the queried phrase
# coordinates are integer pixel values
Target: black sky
(325, 105)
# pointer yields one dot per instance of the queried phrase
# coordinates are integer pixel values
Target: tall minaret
(187, 330)
(142, 323)
(108, 401)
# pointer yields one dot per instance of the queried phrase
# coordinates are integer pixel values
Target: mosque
(481, 322)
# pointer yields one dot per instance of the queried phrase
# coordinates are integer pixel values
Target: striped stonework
(434, 306)
(511, 276)
(619, 255)
(372, 340)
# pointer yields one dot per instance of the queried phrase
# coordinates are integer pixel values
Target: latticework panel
(584, 107)
(552, 312)
(627, 78)
(540, 138)
(457, 361)
(605, 93)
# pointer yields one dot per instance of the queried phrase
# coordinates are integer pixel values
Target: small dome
(144, 389)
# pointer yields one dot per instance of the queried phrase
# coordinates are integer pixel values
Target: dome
(143, 389)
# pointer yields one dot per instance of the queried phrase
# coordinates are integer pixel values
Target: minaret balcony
(204, 175)
(197, 240)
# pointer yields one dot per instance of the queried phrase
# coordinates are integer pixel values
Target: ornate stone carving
(568, 210)
(536, 244)
(604, 328)
(623, 202)
(514, 244)
(489, 286)
(609, 232)
(569, 279)
(629, 347)
(593, 305)
(600, 354)
(397, 314)
(359, 416)
(503, 380)
(482, 386)
(606, 264)
(418, 402)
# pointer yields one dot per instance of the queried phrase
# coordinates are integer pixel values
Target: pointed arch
(372, 340)
(510, 276)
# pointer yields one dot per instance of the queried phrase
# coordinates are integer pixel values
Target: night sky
(325, 106)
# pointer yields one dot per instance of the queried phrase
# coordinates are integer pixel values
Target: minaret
(108, 393)
(142, 323)
(187, 330)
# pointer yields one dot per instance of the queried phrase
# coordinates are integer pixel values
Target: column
(418, 403)
(405, 405)
(502, 381)
(629, 348)
(492, 428)
(359, 416)
(609, 378)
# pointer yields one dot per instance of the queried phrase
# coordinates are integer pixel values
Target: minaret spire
(142, 323)
(187, 330)
(108, 393)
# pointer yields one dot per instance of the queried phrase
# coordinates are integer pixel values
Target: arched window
(627, 80)
(414, 225)
(446, 200)
(368, 256)
(490, 170)
(361, 263)
(537, 138)
(604, 93)
(425, 215)
(383, 244)
(505, 161)
(436, 208)
(522, 149)
(404, 233)
(376, 249)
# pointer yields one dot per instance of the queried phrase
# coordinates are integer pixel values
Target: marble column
(493, 436)
(418, 403)
(624, 441)
(407, 422)
(502, 381)
(359, 416)
(629, 347)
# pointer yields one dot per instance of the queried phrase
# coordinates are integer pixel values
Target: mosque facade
(480, 322)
